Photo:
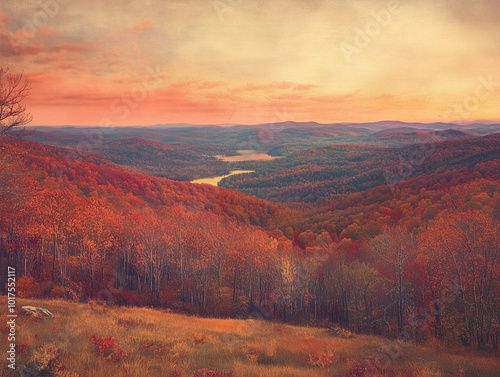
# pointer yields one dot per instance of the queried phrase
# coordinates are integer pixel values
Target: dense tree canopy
(420, 257)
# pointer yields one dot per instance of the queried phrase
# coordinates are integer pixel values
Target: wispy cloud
(262, 55)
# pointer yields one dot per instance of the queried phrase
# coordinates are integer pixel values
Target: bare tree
(13, 90)
(395, 249)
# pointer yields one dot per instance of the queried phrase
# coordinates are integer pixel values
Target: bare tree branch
(13, 90)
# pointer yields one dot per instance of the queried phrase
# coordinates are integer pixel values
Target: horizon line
(454, 122)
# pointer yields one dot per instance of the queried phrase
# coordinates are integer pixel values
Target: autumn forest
(400, 241)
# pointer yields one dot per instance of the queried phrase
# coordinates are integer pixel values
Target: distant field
(151, 342)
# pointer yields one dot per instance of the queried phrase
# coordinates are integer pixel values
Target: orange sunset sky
(136, 62)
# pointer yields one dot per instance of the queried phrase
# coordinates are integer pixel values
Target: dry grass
(161, 342)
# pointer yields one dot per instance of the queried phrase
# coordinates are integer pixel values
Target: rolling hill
(340, 169)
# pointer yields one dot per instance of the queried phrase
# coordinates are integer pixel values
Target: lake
(247, 155)
(214, 181)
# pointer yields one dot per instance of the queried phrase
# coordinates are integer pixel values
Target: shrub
(278, 329)
(147, 345)
(105, 344)
(58, 292)
(26, 286)
(119, 355)
(109, 349)
(127, 298)
(161, 350)
(321, 360)
(22, 348)
(252, 356)
(44, 362)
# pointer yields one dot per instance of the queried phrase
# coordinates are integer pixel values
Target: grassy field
(149, 342)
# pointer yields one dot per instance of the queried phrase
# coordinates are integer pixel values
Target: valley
(356, 236)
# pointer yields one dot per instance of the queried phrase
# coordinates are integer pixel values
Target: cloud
(143, 26)
(70, 47)
(262, 55)
(4, 19)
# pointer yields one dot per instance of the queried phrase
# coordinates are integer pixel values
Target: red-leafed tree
(463, 250)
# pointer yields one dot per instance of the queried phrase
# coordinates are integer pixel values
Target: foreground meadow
(96, 340)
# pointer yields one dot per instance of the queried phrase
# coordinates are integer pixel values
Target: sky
(144, 62)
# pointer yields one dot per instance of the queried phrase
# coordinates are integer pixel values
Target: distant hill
(178, 162)
(340, 169)
(277, 139)
(408, 135)
(188, 152)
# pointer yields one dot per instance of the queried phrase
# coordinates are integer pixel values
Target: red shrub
(109, 349)
(120, 355)
(105, 344)
(27, 286)
(323, 360)
(58, 292)
(161, 349)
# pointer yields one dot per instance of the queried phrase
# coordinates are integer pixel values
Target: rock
(35, 312)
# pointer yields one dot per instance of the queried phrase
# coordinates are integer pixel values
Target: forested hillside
(177, 162)
(341, 169)
(371, 258)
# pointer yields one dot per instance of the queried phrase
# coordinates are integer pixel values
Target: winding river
(214, 181)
